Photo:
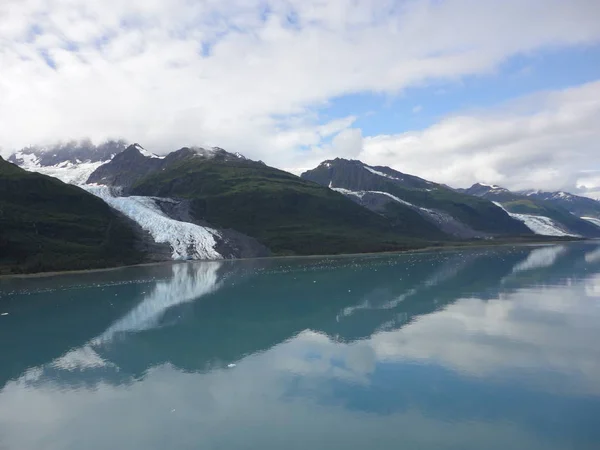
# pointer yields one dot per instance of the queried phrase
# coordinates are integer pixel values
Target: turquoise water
(471, 349)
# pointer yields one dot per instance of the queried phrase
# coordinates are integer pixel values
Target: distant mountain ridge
(135, 163)
(562, 209)
(575, 204)
(213, 203)
(70, 152)
(454, 213)
(208, 203)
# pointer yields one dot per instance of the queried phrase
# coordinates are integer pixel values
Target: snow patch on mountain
(393, 197)
(361, 194)
(593, 220)
(347, 192)
(541, 225)
(67, 172)
(146, 153)
(381, 174)
(494, 187)
(444, 221)
(187, 240)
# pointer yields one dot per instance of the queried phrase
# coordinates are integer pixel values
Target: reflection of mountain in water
(346, 298)
(49, 333)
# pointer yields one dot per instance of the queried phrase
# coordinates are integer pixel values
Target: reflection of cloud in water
(593, 256)
(539, 258)
(592, 287)
(546, 330)
(242, 408)
(551, 332)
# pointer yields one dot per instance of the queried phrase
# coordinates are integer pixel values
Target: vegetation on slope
(47, 225)
(284, 212)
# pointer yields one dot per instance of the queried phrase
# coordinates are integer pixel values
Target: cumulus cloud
(548, 140)
(252, 75)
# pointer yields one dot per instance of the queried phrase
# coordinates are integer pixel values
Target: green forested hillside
(287, 214)
(48, 225)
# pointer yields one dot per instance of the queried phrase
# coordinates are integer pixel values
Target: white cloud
(548, 140)
(173, 73)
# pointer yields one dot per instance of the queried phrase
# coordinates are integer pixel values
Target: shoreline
(431, 248)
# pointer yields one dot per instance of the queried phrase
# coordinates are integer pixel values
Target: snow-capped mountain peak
(491, 187)
(145, 152)
(70, 162)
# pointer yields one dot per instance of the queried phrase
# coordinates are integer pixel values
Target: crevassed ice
(541, 225)
(187, 240)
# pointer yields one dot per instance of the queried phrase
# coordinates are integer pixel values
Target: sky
(455, 91)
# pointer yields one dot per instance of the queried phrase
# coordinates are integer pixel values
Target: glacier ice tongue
(187, 240)
(541, 225)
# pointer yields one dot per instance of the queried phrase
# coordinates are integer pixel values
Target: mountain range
(550, 213)
(208, 203)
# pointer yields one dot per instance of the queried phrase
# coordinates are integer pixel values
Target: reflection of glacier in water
(188, 283)
(447, 271)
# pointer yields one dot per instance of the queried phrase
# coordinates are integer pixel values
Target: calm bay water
(471, 349)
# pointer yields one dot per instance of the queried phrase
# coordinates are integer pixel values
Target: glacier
(541, 225)
(67, 172)
(187, 240)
